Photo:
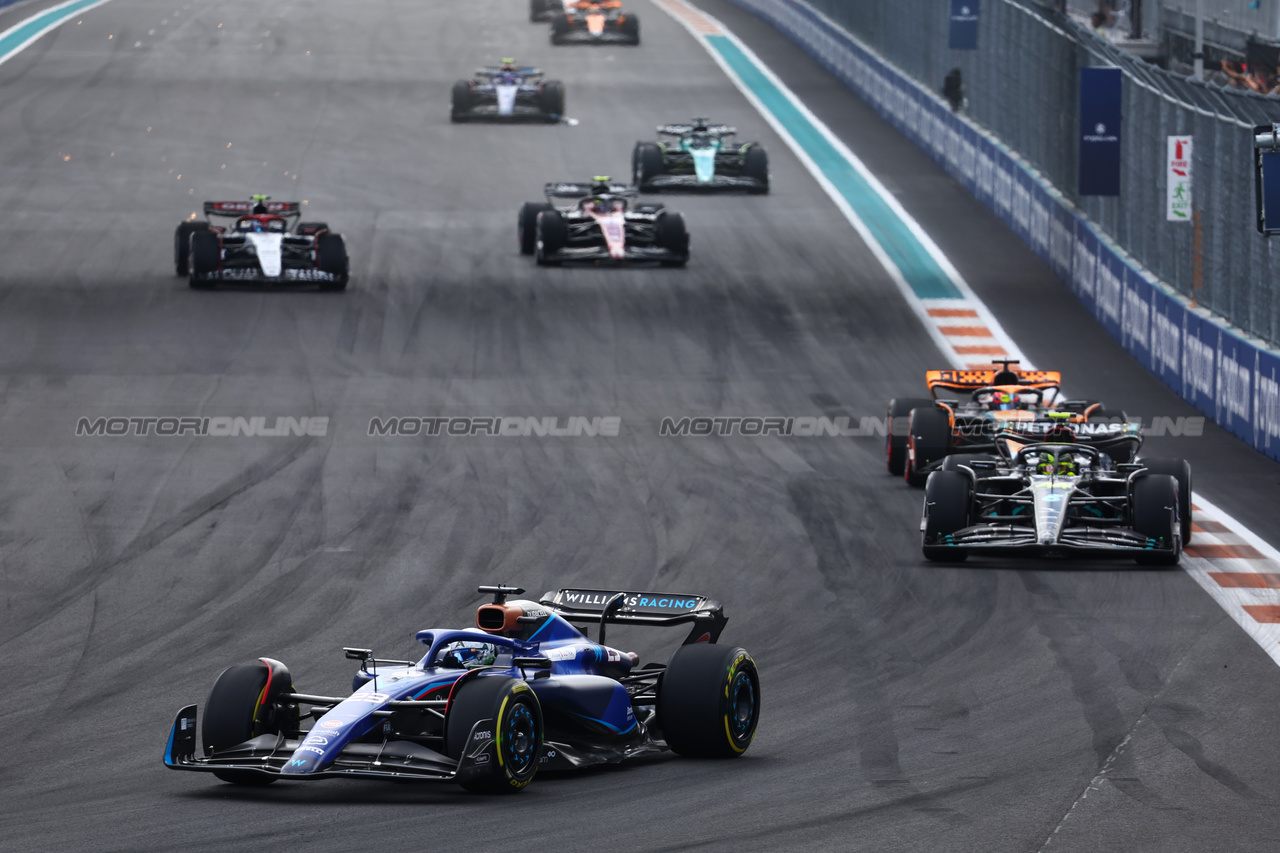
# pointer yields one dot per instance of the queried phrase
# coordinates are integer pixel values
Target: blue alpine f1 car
(489, 706)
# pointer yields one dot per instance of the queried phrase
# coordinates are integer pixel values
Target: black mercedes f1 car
(1056, 498)
(489, 706)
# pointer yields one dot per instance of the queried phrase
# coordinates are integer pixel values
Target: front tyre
(1180, 470)
(331, 257)
(205, 256)
(709, 701)
(1154, 505)
(673, 236)
(552, 235)
(551, 99)
(242, 705)
(948, 505)
(755, 165)
(630, 27)
(182, 243)
(461, 102)
(647, 163)
(517, 732)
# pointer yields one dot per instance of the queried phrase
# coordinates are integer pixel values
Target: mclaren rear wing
(656, 609)
(968, 380)
(573, 190)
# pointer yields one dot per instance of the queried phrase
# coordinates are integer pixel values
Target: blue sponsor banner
(1271, 191)
(964, 25)
(1100, 98)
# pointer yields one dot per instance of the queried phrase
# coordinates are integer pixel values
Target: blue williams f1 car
(489, 706)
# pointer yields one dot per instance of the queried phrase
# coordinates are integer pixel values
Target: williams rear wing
(570, 190)
(656, 609)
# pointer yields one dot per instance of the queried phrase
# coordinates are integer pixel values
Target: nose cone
(704, 164)
(1052, 496)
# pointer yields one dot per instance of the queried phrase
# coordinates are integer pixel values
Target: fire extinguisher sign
(1178, 197)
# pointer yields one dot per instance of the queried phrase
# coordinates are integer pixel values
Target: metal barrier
(1022, 84)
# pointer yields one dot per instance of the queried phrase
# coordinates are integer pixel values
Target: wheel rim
(742, 707)
(520, 738)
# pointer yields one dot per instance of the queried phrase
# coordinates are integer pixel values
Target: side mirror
(358, 654)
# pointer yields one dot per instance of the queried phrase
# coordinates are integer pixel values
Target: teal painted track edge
(926, 279)
(20, 36)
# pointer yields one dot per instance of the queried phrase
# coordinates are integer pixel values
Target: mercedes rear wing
(245, 208)
(575, 190)
(654, 609)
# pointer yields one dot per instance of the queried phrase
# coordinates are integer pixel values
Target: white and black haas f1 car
(700, 156)
(508, 92)
(541, 11)
(260, 247)
(488, 706)
(604, 224)
(595, 22)
(1054, 497)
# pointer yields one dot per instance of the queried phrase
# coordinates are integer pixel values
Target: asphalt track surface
(906, 706)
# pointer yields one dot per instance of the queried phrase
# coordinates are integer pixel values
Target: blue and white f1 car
(489, 706)
(507, 92)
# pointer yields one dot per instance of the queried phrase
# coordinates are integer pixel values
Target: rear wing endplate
(654, 609)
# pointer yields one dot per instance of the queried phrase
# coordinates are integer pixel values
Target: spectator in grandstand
(1105, 16)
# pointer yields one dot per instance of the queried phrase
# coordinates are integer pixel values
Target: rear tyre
(755, 164)
(238, 710)
(896, 444)
(948, 505)
(630, 27)
(928, 440)
(551, 99)
(331, 257)
(205, 257)
(537, 8)
(1154, 505)
(527, 225)
(182, 243)
(552, 234)
(647, 163)
(709, 701)
(461, 102)
(517, 730)
(673, 236)
(1180, 470)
